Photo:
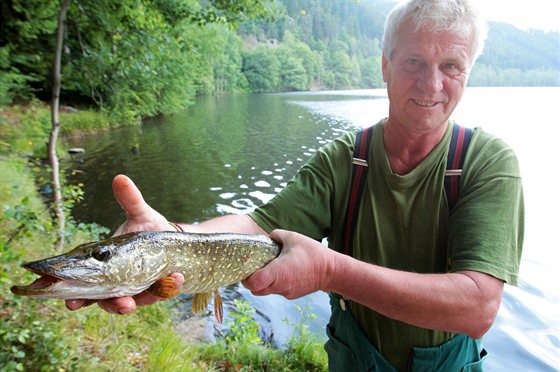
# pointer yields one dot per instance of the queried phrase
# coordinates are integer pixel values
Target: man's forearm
(241, 224)
(464, 302)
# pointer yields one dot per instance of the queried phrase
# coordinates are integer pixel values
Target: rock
(196, 329)
(76, 150)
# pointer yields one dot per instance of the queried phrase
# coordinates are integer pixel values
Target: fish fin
(218, 307)
(165, 287)
(200, 302)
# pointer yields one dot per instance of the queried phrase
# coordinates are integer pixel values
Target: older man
(422, 280)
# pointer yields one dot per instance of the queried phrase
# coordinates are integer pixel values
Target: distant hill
(512, 57)
(519, 58)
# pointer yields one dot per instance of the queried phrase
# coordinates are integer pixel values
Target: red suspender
(460, 140)
(359, 178)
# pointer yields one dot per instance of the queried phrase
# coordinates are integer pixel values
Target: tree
(293, 76)
(53, 158)
(262, 69)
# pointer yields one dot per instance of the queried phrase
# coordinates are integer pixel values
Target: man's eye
(412, 65)
(451, 69)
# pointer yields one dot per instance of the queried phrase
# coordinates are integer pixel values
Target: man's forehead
(425, 42)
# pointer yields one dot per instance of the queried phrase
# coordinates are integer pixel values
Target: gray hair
(458, 17)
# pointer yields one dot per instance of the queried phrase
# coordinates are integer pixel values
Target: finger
(119, 305)
(73, 305)
(260, 282)
(129, 196)
(278, 235)
(178, 277)
(145, 298)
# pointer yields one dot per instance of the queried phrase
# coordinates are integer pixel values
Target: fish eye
(102, 255)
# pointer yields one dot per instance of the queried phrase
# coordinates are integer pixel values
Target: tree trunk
(53, 158)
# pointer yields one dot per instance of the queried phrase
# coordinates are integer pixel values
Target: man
(424, 283)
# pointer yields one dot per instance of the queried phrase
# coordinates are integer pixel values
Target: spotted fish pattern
(128, 264)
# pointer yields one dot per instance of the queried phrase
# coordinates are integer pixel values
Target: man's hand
(140, 217)
(303, 267)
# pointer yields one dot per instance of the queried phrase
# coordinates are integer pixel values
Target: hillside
(511, 56)
(134, 60)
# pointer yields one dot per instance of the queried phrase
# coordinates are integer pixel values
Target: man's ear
(384, 65)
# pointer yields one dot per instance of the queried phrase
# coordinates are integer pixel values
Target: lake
(231, 154)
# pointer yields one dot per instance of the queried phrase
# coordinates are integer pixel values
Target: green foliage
(303, 346)
(24, 334)
(242, 329)
(12, 82)
(25, 128)
(242, 348)
(84, 121)
(262, 69)
(41, 334)
(132, 59)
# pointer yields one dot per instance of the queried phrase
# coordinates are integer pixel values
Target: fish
(128, 264)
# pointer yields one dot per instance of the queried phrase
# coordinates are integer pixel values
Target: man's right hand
(140, 217)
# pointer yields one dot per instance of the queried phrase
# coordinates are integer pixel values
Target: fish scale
(128, 264)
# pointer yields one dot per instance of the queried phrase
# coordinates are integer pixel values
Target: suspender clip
(360, 162)
(453, 172)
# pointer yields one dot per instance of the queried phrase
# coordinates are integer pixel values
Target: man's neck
(405, 149)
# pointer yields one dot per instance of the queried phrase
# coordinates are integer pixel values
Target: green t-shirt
(404, 222)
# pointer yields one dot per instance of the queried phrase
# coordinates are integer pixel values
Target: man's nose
(431, 79)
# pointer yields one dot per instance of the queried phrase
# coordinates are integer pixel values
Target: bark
(55, 103)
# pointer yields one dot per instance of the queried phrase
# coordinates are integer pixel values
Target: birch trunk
(53, 157)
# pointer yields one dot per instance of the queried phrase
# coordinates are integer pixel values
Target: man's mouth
(424, 103)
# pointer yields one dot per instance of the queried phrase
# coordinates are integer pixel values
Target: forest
(139, 58)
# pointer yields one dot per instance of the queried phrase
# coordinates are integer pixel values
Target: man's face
(426, 76)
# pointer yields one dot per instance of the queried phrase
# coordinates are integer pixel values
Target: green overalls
(350, 350)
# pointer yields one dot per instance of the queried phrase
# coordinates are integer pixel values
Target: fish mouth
(49, 284)
(53, 286)
(46, 286)
(43, 282)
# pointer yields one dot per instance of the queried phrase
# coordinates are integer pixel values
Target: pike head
(120, 266)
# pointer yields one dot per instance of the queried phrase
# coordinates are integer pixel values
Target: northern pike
(128, 264)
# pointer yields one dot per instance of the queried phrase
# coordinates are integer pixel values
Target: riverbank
(90, 339)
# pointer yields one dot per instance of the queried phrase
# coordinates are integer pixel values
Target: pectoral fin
(165, 287)
(200, 302)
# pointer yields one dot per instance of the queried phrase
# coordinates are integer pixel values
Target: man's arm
(464, 302)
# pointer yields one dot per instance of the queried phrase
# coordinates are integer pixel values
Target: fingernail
(70, 305)
(125, 310)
